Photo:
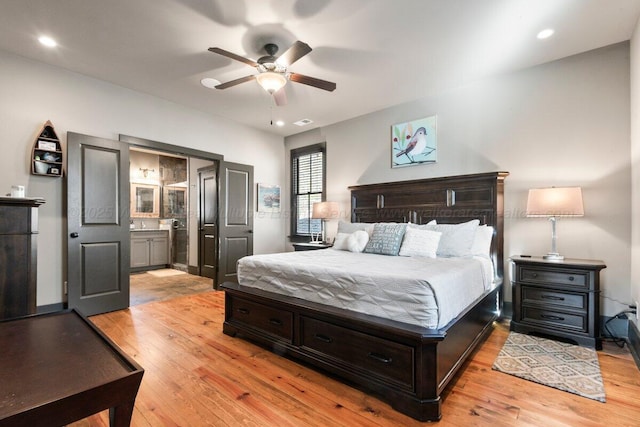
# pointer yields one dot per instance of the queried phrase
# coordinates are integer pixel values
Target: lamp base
(553, 256)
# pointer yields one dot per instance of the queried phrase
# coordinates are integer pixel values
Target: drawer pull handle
(243, 310)
(552, 297)
(534, 275)
(276, 322)
(571, 279)
(324, 338)
(380, 358)
(550, 317)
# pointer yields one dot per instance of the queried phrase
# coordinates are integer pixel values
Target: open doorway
(164, 218)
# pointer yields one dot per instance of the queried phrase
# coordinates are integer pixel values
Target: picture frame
(268, 198)
(47, 145)
(414, 143)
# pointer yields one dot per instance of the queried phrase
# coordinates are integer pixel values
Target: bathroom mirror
(145, 201)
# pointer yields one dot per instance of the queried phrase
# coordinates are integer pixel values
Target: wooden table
(58, 368)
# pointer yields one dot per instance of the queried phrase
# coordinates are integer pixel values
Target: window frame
(296, 153)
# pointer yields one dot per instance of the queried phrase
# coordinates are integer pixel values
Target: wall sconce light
(552, 203)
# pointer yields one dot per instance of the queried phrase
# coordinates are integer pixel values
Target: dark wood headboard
(448, 200)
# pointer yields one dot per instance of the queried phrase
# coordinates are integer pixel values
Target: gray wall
(33, 93)
(565, 123)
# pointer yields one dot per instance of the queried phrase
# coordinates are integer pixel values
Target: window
(307, 188)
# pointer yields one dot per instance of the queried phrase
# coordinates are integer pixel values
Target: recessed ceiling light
(209, 82)
(47, 41)
(303, 122)
(279, 123)
(545, 34)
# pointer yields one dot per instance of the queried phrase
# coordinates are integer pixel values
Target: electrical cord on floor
(616, 340)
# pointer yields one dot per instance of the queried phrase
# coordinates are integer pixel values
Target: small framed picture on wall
(268, 198)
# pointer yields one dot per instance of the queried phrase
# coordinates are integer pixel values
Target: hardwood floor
(197, 376)
(164, 284)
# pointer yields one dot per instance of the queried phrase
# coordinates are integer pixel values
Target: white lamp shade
(561, 201)
(271, 82)
(326, 210)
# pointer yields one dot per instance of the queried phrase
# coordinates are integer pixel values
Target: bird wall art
(414, 143)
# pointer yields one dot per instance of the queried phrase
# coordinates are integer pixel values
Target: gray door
(208, 222)
(98, 252)
(235, 218)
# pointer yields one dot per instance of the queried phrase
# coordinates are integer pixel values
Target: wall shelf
(47, 158)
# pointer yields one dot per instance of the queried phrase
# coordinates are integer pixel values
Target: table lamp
(325, 211)
(552, 203)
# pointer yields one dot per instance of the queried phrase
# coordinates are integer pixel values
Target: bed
(405, 363)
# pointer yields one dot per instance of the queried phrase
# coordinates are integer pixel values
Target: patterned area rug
(555, 364)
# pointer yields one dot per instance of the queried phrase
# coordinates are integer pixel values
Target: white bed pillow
(350, 227)
(420, 243)
(357, 241)
(456, 239)
(482, 241)
(340, 242)
(353, 242)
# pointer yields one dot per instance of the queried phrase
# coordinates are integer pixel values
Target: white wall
(31, 93)
(635, 164)
(565, 123)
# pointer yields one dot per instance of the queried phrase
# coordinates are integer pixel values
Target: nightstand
(310, 246)
(557, 298)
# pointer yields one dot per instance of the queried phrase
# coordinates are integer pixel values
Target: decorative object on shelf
(268, 198)
(17, 191)
(414, 143)
(552, 203)
(324, 211)
(47, 157)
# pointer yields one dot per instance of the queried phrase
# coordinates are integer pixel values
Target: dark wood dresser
(557, 298)
(18, 248)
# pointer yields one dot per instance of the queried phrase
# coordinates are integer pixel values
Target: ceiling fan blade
(280, 97)
(295, 52)
(235, 82)
(312, 81)
(233, 56)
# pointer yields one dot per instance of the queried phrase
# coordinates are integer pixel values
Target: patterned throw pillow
(386, 239)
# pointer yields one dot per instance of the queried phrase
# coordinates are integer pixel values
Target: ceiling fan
(272, 71)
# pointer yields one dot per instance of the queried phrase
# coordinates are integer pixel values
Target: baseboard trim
(50, 308)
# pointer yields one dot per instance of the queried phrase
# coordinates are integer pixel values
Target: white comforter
(420, 291)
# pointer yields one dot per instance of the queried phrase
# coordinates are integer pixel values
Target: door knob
(73, 235)
(249, 231)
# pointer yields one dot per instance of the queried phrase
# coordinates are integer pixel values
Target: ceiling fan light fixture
(271, 82)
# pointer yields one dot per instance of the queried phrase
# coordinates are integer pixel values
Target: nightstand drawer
(536, 275)
(540, 296)
(555, 319)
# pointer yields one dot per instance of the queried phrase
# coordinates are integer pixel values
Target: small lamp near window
(325, 211)
(552, 203)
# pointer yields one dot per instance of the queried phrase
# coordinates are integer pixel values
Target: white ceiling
(379, 52)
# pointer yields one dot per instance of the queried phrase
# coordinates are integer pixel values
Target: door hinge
(65, 288)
